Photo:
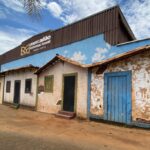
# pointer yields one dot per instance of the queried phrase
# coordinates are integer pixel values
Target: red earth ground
(29, 130)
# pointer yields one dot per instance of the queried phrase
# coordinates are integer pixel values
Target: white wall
(28, 99)
(1, 89)
(47, 101)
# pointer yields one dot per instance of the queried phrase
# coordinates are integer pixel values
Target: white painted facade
(1, 89)
(26, 99)
(47, 102)
(139, 65)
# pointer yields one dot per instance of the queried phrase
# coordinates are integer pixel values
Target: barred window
(8, 85)
(28, 85)
(48, 83)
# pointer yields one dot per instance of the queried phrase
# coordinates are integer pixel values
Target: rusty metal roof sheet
(20, 69)
(59, 58)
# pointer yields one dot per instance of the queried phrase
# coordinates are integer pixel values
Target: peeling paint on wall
(97, 93)
(140, 67)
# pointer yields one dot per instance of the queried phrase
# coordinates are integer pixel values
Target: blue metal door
(117, 97)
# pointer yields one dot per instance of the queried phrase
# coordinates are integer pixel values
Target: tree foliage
(32, 7)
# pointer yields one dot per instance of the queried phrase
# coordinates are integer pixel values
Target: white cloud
(79, 57)
(138, 16)
(12, 37)
(100, 54)
(108, 45)
(15, 5)
(65, 53)
(55, 9)
(78, 9)
(112, 54)
(69, 18)
(43, 3)
(72, 10)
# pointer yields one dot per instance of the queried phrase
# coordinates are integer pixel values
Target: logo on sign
(36, 45)
(25, 50)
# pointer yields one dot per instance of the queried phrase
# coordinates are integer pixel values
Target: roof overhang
(56, 59)
(29, 67)
(121, 56)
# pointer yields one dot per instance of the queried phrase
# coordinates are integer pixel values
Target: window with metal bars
(48, 83)
(28, 85)
(8, 85)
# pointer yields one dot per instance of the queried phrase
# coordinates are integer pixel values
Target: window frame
(8, 88)
(51, 88)
(0, 86)
(29, 79)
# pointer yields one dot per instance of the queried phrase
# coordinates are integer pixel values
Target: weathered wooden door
(69, 93)
(117, 97)
(17, 91)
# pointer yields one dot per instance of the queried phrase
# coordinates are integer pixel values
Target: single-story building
(62, 87)
(120, 88)
(116, 89)
(20, 86)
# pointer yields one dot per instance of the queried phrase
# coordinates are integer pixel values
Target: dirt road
(27, 130)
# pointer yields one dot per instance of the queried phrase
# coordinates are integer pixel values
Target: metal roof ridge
(132, 41)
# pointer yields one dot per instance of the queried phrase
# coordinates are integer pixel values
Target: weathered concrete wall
(1, 89)
(97, 87)
(140, 67)
(47, 102)
(28, 99)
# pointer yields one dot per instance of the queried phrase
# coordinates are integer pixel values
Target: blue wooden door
(117, 97)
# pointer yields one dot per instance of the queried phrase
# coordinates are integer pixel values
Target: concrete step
(15, 106)
(65, 114)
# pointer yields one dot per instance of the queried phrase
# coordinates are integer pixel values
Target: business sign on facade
(36, 45)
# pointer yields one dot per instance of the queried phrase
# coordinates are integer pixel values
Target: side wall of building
(1, 89)
(27, 99)
(48, 102)
(140, 67)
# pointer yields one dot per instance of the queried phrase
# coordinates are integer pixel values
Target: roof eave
(61, 58)
(121, 56)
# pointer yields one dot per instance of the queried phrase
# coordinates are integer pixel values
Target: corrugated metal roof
(19, 69)
(59, 58)
(109, 22)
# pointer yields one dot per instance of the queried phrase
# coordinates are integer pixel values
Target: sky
(16, 26)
